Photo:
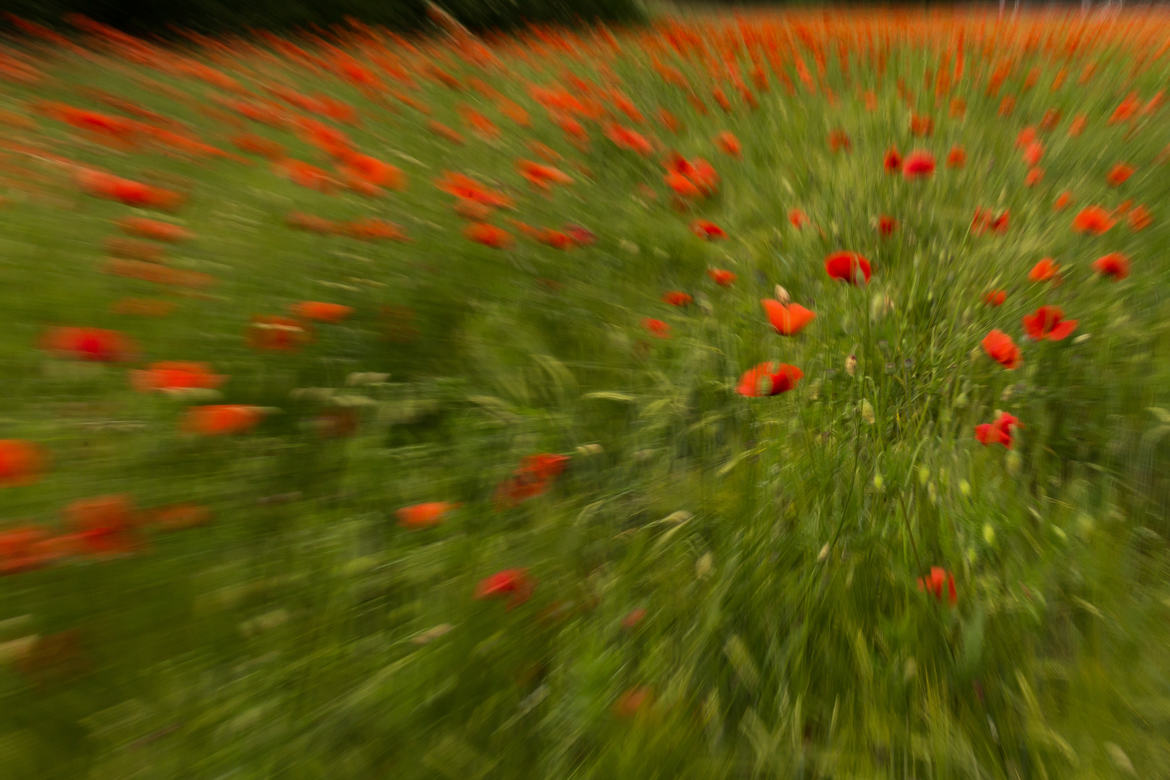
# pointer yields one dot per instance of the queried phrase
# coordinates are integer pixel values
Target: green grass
(774, 543)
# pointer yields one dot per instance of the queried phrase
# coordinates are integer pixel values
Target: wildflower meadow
(738, 394)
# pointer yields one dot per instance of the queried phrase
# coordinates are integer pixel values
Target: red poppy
(488, 235)
(1140, 219)
(921, 125)
(91, 344)
(633, 618)
(708, 230)
(1033, 152)
(768, 379)
(728, 143)
(998, 432)
(21, 462)
(838, 140)
(1047, 323)
(514, 583)
(1000, 348)
(956, 157)
(721, 277)
(222, 419)
(154, 229)
(424, 515)
(798, 218)
(1045, 270)
(1062, 201)
(373, 229)
(276, 333)
(656, 328)
(995, 297)
(886, 225)
(1119, 174)
(677, 298)
(541, 176)
(848, 267)
(1034, 177)
(1092, 219)
(175, 375)
(892, 161)
(918, 164)
(1114, 264)
(132, 193)
(631, 702)
(533, 476)
(24, 549)
(104, 525)
(467, 188)
(788, 320)
(320, 311)
(935, 582)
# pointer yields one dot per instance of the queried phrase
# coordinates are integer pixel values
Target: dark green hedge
(157, 16)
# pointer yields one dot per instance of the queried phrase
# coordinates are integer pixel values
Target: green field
(703, 583)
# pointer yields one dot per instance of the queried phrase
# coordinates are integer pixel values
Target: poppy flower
(581, 236)
(768, 379)
(513, 583)
(369, 174)
(708, 230)
(313, 224)
(728, 144)
(103, 525)
(677, 298)
(848, 267)
(222, 419)
(467, 188)
(488, 235)
(935, 583)
(1000, 348)
(1062, 201)
(1118, 174)
(154, 229)
(279, 334)
(1033, 153)
(798, 218)
(921, 125)
(721, 277)
(21, 462)
(1078, 125)
(1092, 219)
(24, 548)
(1114, 264)
(1139, 218)
(90, 344)
(541, 176)
(319, 311)
(995, 297)
(1034, 177)
(131, 193)
(656, 328)
(886, 225)
(838, 140)
(1048, 322)
(424, 515)
(956, 157)
(533, 476)
(681, 185)
(175, 375)
(787, 319)
(918, 165)
(1045, 270)
(633, 618)
(625, 138)
(892, 161)
(631, 702)
(998, 432)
